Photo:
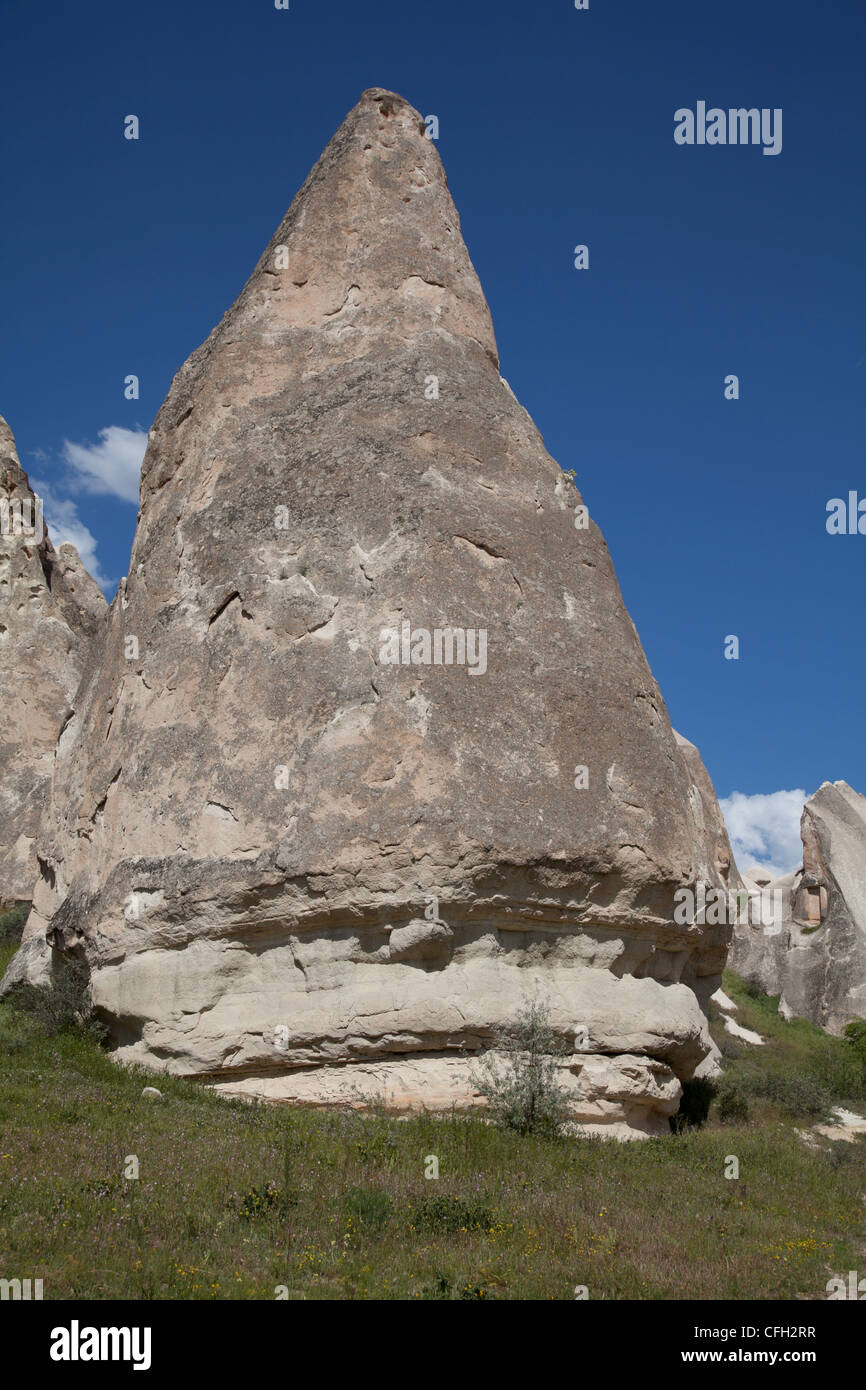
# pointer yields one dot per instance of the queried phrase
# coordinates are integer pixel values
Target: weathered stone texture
(50, 609)
(287, 860)
(816, 960)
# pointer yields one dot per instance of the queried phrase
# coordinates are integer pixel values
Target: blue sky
(556, 128)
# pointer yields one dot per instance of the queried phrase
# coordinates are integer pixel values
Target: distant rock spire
(50, 609)
(814, 957)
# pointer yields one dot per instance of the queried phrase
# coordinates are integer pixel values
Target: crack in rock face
(341, 459)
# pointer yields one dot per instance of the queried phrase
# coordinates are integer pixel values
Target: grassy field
(237, 1201)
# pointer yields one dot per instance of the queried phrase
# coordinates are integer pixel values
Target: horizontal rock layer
(620, 1097)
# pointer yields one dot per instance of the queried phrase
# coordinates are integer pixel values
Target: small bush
(837, 1069)
(369, 1205)
(522, 1089)
(449, 1215)
(732, 1107)
(259, 1202)
(102, 1187)
(12, 922)
(855, 1037)
(446, 1287)
(378, 1148)
(841, 1154)
(441, 1288)
(799, 1096)
(64, 1006)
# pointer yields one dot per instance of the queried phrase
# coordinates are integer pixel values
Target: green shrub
(841, 1154)
(101, 1187)
(855, 1037)
(522, 1089)
(798, 1095)
(835, 1066)
(258, 1202)
(801, 1096)
(12, 922)
(64, 1006)
(378, 1147)
(446, 1287)
(441, 1288)
(449, 1215)
(369, 1205)
(732, 1107)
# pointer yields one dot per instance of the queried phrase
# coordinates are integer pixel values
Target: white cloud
(113, 466)
(765, 829)
(66, 527)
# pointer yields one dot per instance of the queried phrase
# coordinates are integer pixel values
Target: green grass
(800, 1071)
(11, 924)
(233, 1201)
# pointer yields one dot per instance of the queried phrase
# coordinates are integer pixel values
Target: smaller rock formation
(815, 956)
(50, 609)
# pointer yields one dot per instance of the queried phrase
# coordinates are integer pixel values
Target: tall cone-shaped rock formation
(50, 609)
(373, 754)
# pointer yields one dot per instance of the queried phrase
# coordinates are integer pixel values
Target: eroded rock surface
(815, 957)
(718, 865)
(50, 609)
(295, 865)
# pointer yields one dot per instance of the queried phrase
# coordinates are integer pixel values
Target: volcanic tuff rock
(293, 863)
(718, 861)
(50, 609)
(816, 959)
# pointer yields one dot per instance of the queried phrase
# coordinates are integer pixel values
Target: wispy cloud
(111, 467)
(66, 527)
(765, 829)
